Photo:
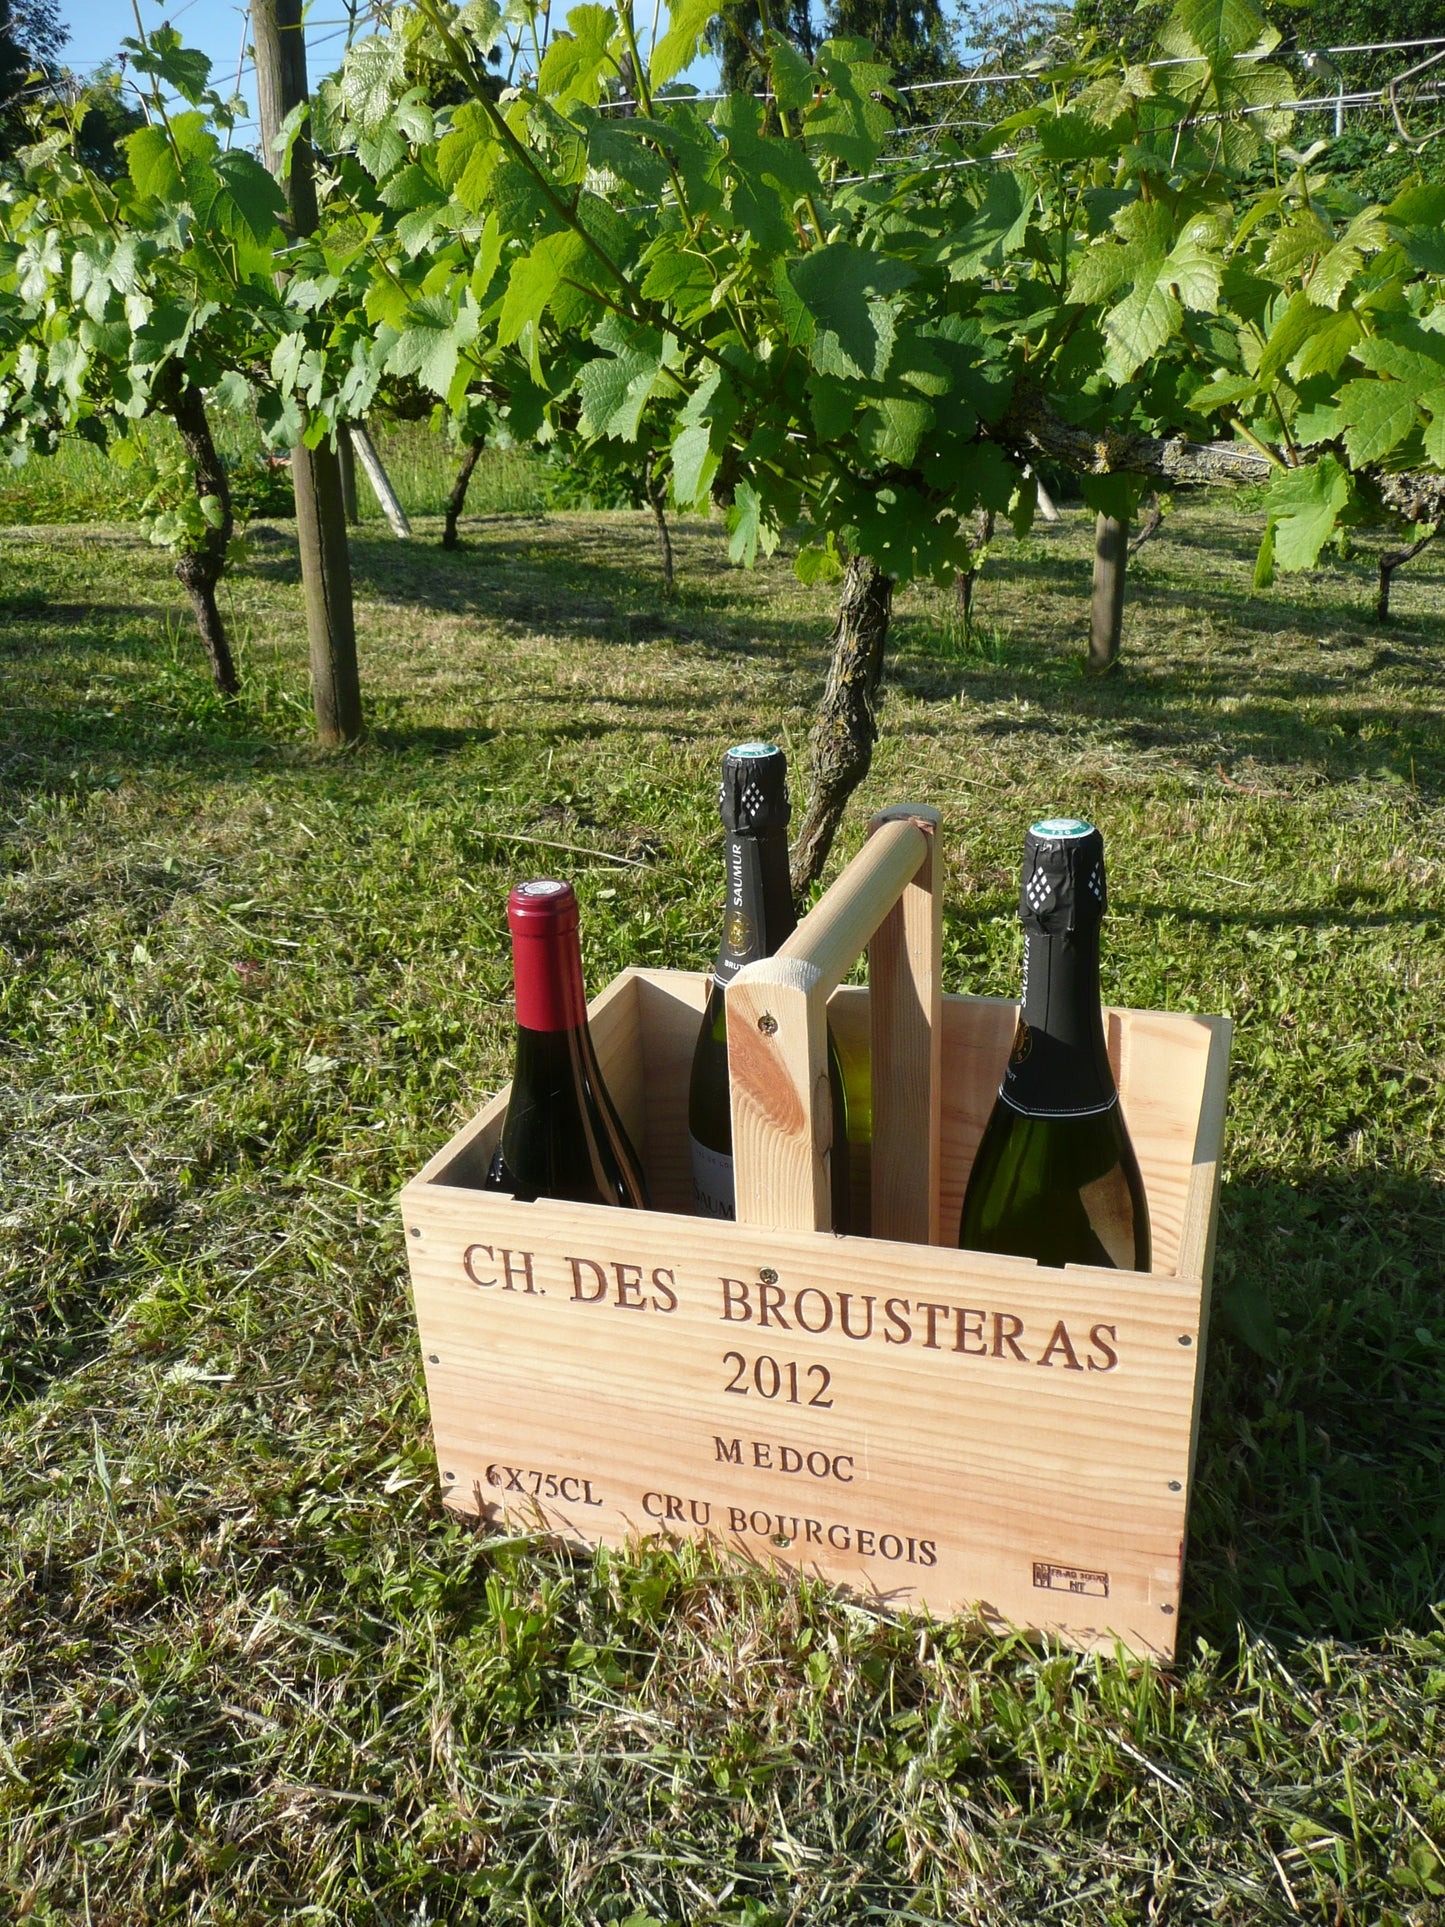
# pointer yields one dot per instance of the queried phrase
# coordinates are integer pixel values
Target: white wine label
(712, 1182)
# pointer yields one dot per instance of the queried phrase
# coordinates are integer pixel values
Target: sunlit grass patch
(250, 1669)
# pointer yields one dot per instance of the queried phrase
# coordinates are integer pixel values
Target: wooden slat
(835, 932)
(781, 1101)
(1016, 1474)
(905, 958)
(1164, 1061)
(977, 1033)
(777, 1037)
(1201, 1214)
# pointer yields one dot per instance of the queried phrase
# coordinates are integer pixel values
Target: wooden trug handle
(888, 896)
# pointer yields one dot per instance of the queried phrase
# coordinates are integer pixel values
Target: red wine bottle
(753, 803)
(562, 1137)
(1055, 1177)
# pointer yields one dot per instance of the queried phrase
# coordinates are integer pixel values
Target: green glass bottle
(1055, 1177)
(754, 807)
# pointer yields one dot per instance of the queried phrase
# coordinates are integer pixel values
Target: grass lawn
(250, 1670)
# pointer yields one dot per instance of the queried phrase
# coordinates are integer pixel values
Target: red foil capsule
(546, 955)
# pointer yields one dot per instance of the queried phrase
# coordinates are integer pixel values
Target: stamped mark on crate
(1077, 1579)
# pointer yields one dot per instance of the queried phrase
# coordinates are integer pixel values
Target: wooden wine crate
(937, 1429)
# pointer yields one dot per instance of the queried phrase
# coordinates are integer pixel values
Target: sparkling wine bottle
(1055, 1177)
(562, 1137)
(754, 808)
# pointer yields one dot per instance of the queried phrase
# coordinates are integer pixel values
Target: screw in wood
(781, 1539)
(434, 1358)
(450, 1477)
(768, 1276)
(1166, 1609)
(1175, 1486)
(1185, 1339)
(767, 1023)
(415, 1230)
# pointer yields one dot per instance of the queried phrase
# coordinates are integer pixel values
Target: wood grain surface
(938, 1429)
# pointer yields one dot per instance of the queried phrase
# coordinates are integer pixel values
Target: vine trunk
(201, 568)
(457, 500)
(657, 496)
(847, 727)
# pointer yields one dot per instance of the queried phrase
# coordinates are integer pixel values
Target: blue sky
(215, 26)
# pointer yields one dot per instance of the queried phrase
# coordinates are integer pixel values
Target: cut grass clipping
(251, 1668)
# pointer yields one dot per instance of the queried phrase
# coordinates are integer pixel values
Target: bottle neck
(1059, 1065)
(548, 1062)
(547, 970)
(760, 914)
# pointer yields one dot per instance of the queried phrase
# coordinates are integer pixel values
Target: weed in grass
(248, 1666)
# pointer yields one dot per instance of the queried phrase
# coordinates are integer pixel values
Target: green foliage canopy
(790, 316)
(821, 335)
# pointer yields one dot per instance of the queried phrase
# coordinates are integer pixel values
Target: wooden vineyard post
(1106, 617)
(346, 455)
(280, 46)
(380, 482)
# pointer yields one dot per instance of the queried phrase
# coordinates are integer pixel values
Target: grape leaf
(65, 368)
(573, 64)
(1069, 137)
(831, 404)
(1264, 561)
(769, 176)
(849, 122)
(1435, 432)
(374, 73)
(892, 428)
(233, 390)
(836, 284)
(614, 145)
(1339, 265)
(1376, 416)
(1407, 352)
(1417, 219)
(481, 21)
(1221, 392)
(467, 156)
(1304, 505)
(151, 156)
(246, 202)
(693, 466)
(520, 202)
(1326, 352)
(748, 529)
(1220, 28)
(162, 54)
(615, 388)
(818, 562)
(434, 336)
(687, 21)
(534, 281)
(678, 275)
(1112, 495)
(994, 230)
(794, 82)
(1293, 328)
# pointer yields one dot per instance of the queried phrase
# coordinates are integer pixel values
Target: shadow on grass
(1320, 1502)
